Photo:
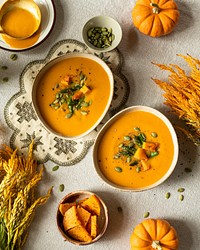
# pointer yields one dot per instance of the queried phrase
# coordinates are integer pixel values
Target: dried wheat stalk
(182, 94)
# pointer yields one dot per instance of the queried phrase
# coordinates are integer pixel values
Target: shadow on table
(184, 234)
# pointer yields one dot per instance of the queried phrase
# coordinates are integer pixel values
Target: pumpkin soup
(136, 150)
(73, 94)
(13, 23)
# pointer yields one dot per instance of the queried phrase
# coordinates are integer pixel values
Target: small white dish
(48, 13)
(103, 22)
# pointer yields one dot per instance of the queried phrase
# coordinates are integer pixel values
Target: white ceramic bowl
(112, 121)
(77, 196)
(103, 21)
(55, 61)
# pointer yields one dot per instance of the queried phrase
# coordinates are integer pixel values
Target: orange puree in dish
(19, 23)
(114, 135)
(98, 95)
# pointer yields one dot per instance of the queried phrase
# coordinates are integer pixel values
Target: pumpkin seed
(154, 134)
(127, 138)
(121, 145)
(4, 67)
(61, 187)
(5, 79)
(13, 57)
(138, 169)
(100, 37)
(188, 170)
(137, 129)
(55, 168)
(167, 196)
(146, 214)
(118, 169)
(181, 197)
(154, 154)
(128, 159)
(133, 163)
(69, 115)
(181, 190)
(84, 112)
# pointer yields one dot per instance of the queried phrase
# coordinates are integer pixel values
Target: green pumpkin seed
(127, 138)
(5, 79)
(181, 197)
(61, 187)
(84, 112)
(13, 57)
(181, 190)
(167, 196)
(146, 214)
(138, 169)
(55, 168)
(69, 115)
(118, 169)
(154, 134)
(4, 67)
(137, 129)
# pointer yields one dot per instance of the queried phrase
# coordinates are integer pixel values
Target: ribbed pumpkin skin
(154, 230)
(155, 24)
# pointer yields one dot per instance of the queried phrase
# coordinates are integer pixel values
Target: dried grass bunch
(19, 177)
(182, 94)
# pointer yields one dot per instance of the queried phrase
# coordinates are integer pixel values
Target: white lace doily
(21, 118)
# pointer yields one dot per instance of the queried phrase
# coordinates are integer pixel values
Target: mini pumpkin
(155, 17)
(154, 234)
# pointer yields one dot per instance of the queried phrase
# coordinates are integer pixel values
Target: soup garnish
(135, 150)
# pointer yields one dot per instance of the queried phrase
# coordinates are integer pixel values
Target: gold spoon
(26, 5)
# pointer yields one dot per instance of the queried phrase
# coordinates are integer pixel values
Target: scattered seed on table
(119, 209)
(5, 79)
(146, 214)
(167, 196)
(55, 168)
(181, 197)
(188, 170)
(61, 187)
(13, 57)
(180, 190)
(4, 67)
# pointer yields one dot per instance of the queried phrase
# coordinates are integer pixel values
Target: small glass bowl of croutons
(82, 217)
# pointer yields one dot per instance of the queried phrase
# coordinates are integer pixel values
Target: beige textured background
(138, 51)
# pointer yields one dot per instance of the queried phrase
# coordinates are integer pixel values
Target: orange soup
(73, 94)
(136, 150)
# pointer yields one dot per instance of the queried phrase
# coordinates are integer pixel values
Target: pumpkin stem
(156, 245)
(155, 8)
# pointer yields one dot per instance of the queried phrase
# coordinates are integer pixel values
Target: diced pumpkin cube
(94, 226)
(65, 80)
(92, 204)
(145, 165)
(65, 206)
(140, 154)
(83, 215)
(70, 218)
(80, 233)
(151, 146)
(77, 95)
(84, 89)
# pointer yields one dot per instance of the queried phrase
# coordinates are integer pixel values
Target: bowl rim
(111, 121)
(53, 62)
(105, 211)
(89, 45)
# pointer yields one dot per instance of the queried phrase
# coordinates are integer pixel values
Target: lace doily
(26, 126)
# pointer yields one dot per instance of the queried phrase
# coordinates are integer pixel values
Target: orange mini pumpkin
(155, 17)
(154, 234)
